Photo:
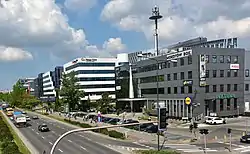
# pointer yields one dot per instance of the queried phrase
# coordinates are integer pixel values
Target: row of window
(97, 79)
(222, 73)
(214, 88)
(97, 86)
(49, 85)
(222, 59)
(228, 104)
(46, 81)
(95, 72)
(90, 65)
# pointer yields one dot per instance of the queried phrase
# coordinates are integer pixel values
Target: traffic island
(155, 152)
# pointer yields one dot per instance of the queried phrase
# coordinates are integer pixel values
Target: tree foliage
(104, 104)
(70, 90)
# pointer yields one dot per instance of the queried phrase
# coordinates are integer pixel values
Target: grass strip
(17, 140)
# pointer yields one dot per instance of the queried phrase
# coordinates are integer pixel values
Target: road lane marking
(37, 133)
(70, 141)
(33, 129)
(83, 148)
(60, 150)
(81, 135)
(51, 143)
(43, 137)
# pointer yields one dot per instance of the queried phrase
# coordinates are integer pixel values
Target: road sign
(188, 100)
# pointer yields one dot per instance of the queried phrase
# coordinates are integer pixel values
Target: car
(215, 120)
(151, 129)
(43, 128)
(245, 138)
(35, 117)
(23, 112)
(28, 118)
(142, 127)
(113, 121)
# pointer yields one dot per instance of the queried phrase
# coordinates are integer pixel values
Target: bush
(11, 148)
(115, 134)
(84, 125)
(46, 113)
(102, 131)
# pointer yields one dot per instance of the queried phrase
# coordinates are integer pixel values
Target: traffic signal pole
(205, 143)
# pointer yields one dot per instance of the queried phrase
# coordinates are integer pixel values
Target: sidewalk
(134, 135)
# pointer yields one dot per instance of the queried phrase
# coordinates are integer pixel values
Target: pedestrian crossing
(242, 149)
(188, 148)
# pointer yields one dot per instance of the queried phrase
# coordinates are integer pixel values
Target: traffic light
(195, 125)
(162, 118)
(229, 130)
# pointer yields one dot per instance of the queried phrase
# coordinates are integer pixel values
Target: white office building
(96, 76)
(48, 85)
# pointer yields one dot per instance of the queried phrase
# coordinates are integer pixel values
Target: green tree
(57, 102)
(70, 90)
(17, 95)
(104, 103)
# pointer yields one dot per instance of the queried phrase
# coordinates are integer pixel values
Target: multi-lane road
(78, 143)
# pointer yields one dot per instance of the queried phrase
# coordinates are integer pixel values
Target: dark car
(113, 121)
(43, 128)
(143, 127)
(35, 117)
(106, 119)
(245, 138)
(152, 129)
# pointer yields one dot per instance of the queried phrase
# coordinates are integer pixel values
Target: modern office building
(96, 76)
(48, 85)
(28, 84)
(210, 78)
(39, 86)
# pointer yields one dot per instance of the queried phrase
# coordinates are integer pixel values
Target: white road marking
(88, 138)
(60, 150)
(81, 135)
(83, 148)
(53, 131)
(33, 129)
(42, 137)
(51, 143)
(37, 133)
(70, 141)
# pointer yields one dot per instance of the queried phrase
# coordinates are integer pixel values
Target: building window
(214, 73)
(246, 87)
(228, 73)
(190, 60)
(175, 76)
(221, 104)
(190, 89)
(235, 59)
(235, 73)
(182, 61)
(228, 104)
(169, 90)
(207, 58)
(168, 77)
(207, 89)
(221, 73)
(182, 75)
(174, 64)
(221, 59)
(175, 90)
(235, 103)
(228, 87)
(222, 88)
(214, 88)
(247, 73)
(214, 59)
(182, 90)
(228, 59)
(235, 87)
(169, 64)
(207, 73)
(190, 75)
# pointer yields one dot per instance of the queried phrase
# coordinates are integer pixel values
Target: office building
(39, 86)
(210, 78)
(96, 76)
(49, 92)
(28, 84)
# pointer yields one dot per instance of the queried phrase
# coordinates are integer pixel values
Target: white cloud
(80, 5)
(14, 54)
(110, 48)
(182, 19)
(39, 24)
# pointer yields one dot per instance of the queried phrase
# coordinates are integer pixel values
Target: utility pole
(156, 16)
(229, 131)
(204, 132)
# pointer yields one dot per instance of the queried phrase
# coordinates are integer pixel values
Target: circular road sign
(188, 100)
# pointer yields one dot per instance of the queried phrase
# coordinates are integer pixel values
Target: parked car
(27, 118)
(43, 128)
(105, 119)
(35, 117)
(215, 120)
(113, 121)
(152, 129)
(143, 127)
(245, 138)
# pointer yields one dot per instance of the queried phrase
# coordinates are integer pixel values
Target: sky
(37, 35)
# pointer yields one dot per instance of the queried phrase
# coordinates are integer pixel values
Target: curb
(25, 141)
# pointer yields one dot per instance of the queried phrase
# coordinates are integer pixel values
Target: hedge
(105, 131)
(8, 145)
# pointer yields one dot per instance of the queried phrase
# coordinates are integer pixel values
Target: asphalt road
(78, 143)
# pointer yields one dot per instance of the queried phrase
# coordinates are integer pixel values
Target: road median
(21, 141)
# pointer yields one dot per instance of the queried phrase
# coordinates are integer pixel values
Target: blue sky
(37, 35)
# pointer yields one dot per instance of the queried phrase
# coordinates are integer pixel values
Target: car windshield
(44, 125)
(217, 119)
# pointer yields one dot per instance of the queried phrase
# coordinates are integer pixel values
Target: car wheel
(214, 123)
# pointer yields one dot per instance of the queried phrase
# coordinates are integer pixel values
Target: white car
(215, 120)
(28, 118)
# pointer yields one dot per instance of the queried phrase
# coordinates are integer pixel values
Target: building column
(183, 106)
(179, 102)
(176, 109)
(173, 108)
(187, 110)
